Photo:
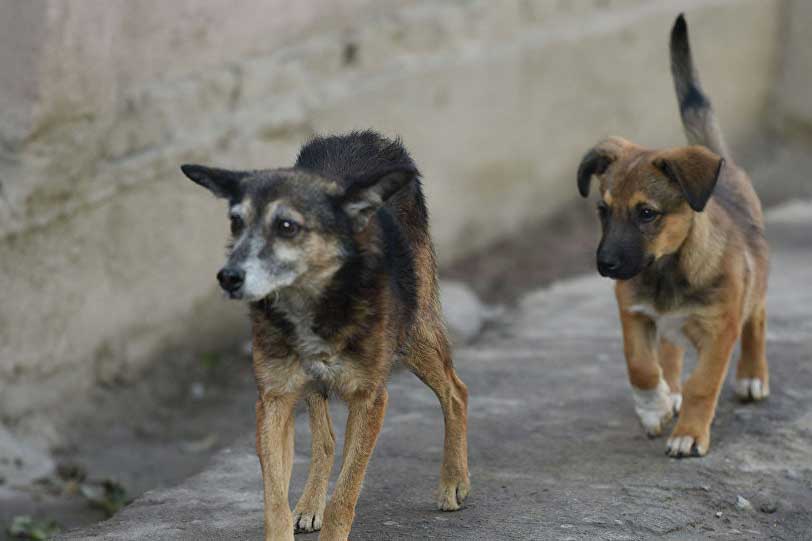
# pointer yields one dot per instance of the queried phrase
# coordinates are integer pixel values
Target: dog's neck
(326, 311)
(700, 256)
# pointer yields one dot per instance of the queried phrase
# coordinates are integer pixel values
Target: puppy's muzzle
(609, 265)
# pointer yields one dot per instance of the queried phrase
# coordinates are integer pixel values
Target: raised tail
(698, 118)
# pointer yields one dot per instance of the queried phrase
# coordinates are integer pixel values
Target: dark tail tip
(686, 82)
(679, 39)
(680, 27)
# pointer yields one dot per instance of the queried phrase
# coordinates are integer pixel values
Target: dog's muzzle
(231, 280)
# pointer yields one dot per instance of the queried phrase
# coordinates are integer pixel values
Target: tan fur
(674, 232)
(716, 254)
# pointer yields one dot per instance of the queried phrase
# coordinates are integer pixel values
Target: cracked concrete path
(556, 451)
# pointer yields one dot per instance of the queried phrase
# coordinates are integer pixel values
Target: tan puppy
(336, 262)
(683, 235)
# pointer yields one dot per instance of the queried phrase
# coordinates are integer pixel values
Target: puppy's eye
(237, 225)
(647, 214)
(603, 210)
(287, 228)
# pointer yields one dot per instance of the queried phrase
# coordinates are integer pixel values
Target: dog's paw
(684, 444)
(655, 407)
(307, 521)
(752, 389)
(452, 493)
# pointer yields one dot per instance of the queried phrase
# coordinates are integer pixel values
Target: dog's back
(402, 222)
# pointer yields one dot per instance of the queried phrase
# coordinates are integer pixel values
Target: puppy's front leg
(275, 450)
(366, 413)
(652, 397)
(691, 436)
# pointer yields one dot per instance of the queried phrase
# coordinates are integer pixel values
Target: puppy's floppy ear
(365, 195)
(597, 160)
(695, 169)
(221, 182)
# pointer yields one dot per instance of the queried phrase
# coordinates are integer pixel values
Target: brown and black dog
(683, 235)
(335, 258)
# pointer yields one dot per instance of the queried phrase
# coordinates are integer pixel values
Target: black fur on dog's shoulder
(386, 258)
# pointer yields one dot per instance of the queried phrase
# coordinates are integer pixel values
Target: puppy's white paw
(655, 407)
(749, 389)
(451, 494)
(683, 447)
(306, 521)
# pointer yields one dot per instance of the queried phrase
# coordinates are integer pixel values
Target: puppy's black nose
(231, 279)
(608, 265)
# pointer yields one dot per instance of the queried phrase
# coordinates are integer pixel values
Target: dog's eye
(646, 214)
(603, 210)
(287, 228)
(237, 225)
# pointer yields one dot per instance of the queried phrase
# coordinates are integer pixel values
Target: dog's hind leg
(752, 375)
(275, 450)
(671, 356)
(307, 516)
(430, 360)
(366, 412)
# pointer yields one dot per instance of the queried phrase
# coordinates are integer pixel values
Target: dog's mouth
(234, 295)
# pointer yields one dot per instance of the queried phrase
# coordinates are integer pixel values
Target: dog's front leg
(275, 450)
(653, 402)
(691, 436)
(310, 508)
(366, 413)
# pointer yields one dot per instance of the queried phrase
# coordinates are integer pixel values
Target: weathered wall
(794, 100)
(107, 254)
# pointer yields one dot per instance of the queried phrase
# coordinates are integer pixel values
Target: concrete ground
(555, 448)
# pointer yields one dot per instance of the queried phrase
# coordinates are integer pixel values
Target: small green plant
(25, 527)
(109, 496)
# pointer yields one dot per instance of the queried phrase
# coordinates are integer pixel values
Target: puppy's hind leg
(309, 511)
(430, 360)
(752, 376)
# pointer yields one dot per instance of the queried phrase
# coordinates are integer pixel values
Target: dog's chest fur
(670, 325)
(318, 358)
(665, 295)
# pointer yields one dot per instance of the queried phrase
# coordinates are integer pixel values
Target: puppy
(683, 235)
(335, 260)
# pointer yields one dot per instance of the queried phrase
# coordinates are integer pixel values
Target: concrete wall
(108, 255)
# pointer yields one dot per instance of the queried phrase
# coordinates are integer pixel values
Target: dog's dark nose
(231, 279)
(608, 264)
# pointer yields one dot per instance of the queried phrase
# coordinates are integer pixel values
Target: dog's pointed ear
(365, 195)
(597, 160)
(221, 182)
(695, 169)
